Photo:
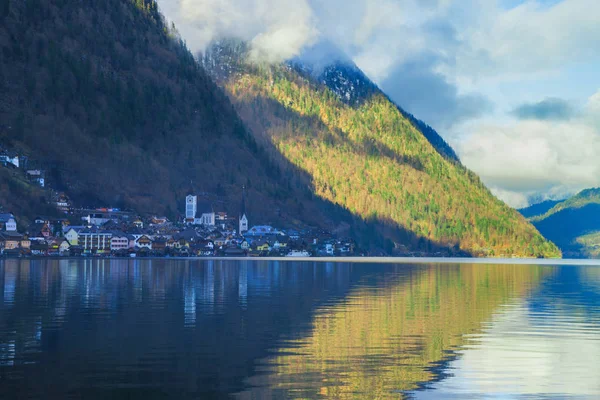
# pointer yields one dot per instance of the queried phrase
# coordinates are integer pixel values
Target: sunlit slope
(372, 161)
(381, 342)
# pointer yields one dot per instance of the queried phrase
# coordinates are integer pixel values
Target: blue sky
(513, 85)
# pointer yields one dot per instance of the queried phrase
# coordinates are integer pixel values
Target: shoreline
(354, 260)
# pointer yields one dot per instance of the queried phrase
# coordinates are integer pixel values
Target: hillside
(538, 208)
(108, 100)
(365, 155)
(574, 224)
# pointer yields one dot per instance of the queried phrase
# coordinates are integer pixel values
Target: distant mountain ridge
(362, 152)
(538, 208)
(573, 224)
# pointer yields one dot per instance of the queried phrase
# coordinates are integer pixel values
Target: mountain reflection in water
(212, 329)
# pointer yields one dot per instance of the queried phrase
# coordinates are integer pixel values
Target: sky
(512, 85)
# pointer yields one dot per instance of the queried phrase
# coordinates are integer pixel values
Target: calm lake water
(173, 329)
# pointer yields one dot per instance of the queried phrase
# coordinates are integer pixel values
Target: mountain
(105, 97)
(358, 150)
(574, 224)
(353, 87)
(538, 208)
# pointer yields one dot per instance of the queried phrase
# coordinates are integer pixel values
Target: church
(243, 222)
(198, 213)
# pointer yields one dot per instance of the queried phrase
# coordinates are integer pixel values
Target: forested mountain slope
(370, 159)
(107, 99)
(574, 224)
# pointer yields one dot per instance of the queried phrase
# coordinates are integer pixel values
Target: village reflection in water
(102, 328)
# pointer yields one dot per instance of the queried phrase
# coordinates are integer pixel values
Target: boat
(298, 253)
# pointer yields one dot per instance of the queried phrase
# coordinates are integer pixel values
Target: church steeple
(243, 209)
(243, 218)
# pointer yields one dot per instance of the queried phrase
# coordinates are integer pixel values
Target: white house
(119, 242)
(6, 159)
(72, 235)
(64, 247)
(96, 219)
(9, 222)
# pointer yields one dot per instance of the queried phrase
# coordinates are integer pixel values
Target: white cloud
(277, 29)
(523, 157)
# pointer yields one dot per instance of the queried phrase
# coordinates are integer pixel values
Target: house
(37, 176)
(72, 234)
(261, 230)
(220, 242)
(9, 160)
(159, 245)
(39, 230)
(62, 203)
(261, 245)
(24, 243)
(143, 242)
(245, 245)
(158, 220)
(38, 248)
(10, 241)
(138, 223)
(8, 222)
(181, 244)
(97, 219)
(119, 242)
(329, 249)
(281, 244)
(221, 217)
(64, 247)
(95, 241)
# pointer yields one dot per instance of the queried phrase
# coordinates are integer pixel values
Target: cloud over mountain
(486, 73)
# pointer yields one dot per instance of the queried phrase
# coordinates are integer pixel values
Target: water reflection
(544, 346)
(386, 339)
(202, 329)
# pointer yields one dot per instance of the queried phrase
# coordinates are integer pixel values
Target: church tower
(191, 204)
(243, 217)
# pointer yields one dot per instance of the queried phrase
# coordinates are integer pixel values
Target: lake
(200, 329)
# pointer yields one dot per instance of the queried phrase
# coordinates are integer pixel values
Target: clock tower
(191, 203)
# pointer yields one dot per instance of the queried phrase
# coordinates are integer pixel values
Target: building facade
(95, 241)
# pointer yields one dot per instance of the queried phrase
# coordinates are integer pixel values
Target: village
(203, 232)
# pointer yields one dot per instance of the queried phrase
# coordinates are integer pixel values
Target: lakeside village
(202, 233)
